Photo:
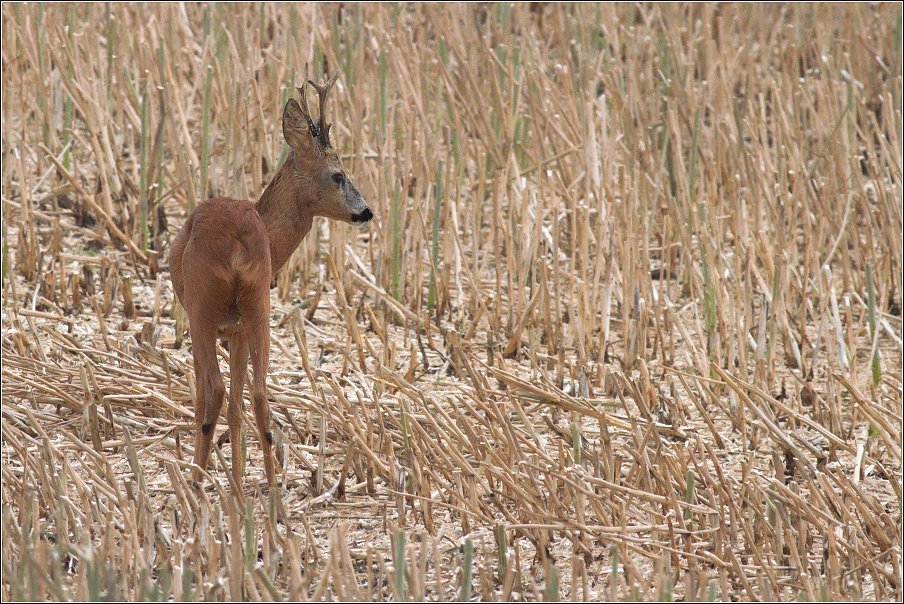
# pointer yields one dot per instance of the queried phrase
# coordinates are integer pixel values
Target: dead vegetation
(626, 324)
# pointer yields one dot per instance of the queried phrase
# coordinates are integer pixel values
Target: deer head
(332, 193)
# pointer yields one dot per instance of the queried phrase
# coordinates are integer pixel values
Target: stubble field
(626, 324)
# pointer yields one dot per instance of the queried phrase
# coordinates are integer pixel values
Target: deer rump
(223, 251)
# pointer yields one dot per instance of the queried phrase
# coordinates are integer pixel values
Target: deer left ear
(296, 130)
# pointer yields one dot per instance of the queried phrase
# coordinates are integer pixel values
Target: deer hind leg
(259, 340)
(238, 368)
(210, 392)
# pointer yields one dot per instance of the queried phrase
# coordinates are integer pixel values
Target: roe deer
(223, 259)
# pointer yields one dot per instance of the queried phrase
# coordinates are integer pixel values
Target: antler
(322, 94)
(320, 129)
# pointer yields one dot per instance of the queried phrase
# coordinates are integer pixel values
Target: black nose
(364, 216)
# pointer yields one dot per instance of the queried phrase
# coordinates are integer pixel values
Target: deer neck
(287, 212)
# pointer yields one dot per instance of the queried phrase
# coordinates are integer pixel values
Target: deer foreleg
(238, 368)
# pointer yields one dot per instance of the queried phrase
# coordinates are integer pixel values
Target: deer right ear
(296, 130)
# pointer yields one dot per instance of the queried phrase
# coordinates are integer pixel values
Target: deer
(222, 263)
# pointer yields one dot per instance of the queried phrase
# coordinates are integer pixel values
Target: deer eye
(338, 178)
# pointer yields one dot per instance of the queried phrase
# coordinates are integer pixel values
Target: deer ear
(295, 129)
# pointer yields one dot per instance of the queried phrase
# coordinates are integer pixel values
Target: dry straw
(626, 325)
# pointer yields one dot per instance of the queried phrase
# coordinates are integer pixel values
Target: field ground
(626, 325)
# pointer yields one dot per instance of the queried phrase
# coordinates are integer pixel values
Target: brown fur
(221, 264)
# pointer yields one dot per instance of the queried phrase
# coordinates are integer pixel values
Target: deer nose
(364, 216)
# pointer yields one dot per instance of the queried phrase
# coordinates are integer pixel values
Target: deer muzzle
(363, 216)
